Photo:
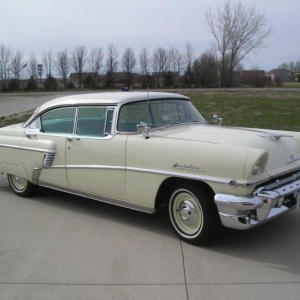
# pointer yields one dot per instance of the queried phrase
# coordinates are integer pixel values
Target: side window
(59, 120)
(91, 121)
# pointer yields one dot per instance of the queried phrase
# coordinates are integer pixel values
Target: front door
(95, 159)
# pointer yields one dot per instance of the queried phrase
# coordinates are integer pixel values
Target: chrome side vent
(48, 160)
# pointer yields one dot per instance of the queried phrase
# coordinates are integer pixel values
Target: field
(274, 109)
(251, 108)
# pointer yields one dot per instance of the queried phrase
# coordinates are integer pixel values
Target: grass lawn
(250, 108)
(257, 109)
(15, 118)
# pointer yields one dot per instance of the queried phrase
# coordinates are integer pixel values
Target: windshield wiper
(196, 121)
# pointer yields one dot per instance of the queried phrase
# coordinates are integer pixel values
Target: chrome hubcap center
(187, 213)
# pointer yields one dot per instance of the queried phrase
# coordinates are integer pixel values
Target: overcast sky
(38, 25)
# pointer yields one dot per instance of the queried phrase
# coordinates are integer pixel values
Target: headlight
(257, 168)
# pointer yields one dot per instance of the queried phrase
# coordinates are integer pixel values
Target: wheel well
(165, 188)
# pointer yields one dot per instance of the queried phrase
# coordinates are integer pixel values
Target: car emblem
(293, 158)
(187, 167)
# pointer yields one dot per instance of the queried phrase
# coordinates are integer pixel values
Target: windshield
(157, 113)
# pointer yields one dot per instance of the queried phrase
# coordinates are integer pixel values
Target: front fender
(36, 153)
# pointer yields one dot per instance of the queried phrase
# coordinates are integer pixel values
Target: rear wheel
(193, 214)
(21, 186)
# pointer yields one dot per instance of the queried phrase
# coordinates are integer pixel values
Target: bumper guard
(264, 205)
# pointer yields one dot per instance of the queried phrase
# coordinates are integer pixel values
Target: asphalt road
(19, 102)
(60, 246)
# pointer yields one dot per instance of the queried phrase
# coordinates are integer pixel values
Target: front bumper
(264, 205)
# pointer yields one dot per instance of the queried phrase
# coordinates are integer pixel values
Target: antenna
(148, 96)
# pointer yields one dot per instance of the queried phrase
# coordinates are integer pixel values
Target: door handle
(71, 138)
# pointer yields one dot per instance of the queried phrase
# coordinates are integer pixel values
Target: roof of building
(278, 70)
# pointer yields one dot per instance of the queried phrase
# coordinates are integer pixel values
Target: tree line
(291, 66)
(237, 30)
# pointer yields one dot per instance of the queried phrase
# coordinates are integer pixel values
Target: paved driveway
(60, 246)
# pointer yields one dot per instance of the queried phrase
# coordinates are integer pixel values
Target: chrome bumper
(264, 205)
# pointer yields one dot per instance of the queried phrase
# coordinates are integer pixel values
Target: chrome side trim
(35, 175)
(27, 148)
(181, 175)
(82, 167)
(117, 202)
(148, 171)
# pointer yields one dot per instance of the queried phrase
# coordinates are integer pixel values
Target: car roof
(110, 98)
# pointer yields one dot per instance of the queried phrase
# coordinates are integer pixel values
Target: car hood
(283, 146)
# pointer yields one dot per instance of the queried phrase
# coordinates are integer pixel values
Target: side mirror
(217, 120)
(143, 128)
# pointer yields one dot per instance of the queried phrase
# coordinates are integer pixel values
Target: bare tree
(63, 65)
(78, 61)
(189, 55)
(189, 58)
(128, 62)
(292, 66)
(95, 60)
(5, 60)
(238, 30)
(160, 63)
(17, 66)
(176, 63)
(32, 68)
(144, 60)
(111, 64)
(48, 61)
(112, 58)
(95, 63)
(205, 69)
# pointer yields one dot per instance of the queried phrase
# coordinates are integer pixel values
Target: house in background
(282, 75)
(296, 75)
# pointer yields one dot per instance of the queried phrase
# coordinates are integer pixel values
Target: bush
(90, 83)
(70, 85)
(50, 83)
(278, 81)
(13, 85)
(31, 84)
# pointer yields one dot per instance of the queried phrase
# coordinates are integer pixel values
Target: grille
(282, 180)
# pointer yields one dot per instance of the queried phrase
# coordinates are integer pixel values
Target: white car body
(249, 175)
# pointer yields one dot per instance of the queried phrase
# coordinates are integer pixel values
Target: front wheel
(21, 186)
(193, 214)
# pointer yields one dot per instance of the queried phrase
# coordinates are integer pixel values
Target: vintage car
(145, 150)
